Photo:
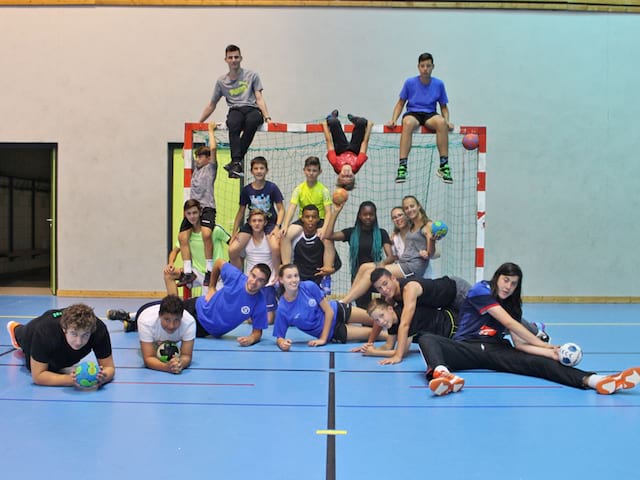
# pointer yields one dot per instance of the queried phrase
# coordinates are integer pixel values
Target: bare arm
(410, 293)
(237, 222)
(518, 332)
(41, 375)
(365, 141)
(444, 110)
(254, 337)
(397, 110)
(330, 224)
(107, 370)
(291, 210)
(213, 145)
(262, 105)
(208, 110)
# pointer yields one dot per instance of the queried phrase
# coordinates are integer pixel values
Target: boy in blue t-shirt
(421, 94)
(239, 299)
(263, 195)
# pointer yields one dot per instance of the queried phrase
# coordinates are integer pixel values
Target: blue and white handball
(439, 229)
(87, 374)
(570, 354)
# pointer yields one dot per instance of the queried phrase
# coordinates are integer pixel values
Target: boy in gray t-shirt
(242, 90)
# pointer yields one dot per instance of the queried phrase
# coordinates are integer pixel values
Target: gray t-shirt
(239, 92)
(202, 185)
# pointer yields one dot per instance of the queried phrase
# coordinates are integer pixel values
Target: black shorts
(422, 117)
(342, 318)
(268, 228)
(207, 219)
(190, 307)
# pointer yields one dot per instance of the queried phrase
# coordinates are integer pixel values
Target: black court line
(140, 402)
(331, 421)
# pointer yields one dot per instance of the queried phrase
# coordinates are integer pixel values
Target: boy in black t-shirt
(59, 339)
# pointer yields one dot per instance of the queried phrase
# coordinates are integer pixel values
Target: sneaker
(236, 170)
(352, 118)
(542, 334)
(401, 177)
(11, 328)
(333, 114)
(130, 326)
(623, 380)
(186, 279)
(444, 172)
(115, 314)
(444, 383)
(207, 279)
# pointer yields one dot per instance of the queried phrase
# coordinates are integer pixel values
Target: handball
(340, 196)
(87, 374)
(167, 350)
(439, 229)
(569, 354)
(470, 141)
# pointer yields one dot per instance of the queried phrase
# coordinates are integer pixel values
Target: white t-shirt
(150, 329)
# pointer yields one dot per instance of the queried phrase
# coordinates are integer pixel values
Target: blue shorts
(270, 297)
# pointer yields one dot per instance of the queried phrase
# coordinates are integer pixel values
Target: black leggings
(243, 122)
(498, 355)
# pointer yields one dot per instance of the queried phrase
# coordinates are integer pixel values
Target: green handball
(167, 350)
(439, 229)
(87, 374)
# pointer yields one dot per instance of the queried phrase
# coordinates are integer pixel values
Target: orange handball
(340, 195)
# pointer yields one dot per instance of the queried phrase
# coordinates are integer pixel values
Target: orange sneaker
(11, 327)
(444, 383)
(623, 380)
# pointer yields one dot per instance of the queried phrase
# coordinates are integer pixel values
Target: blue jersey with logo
(304, 312)
(231, 305)
(475, 322)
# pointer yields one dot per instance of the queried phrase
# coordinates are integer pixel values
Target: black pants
(243, 122)
(340, 143)
(497, 355)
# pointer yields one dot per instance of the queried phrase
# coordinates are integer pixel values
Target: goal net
(461, 205)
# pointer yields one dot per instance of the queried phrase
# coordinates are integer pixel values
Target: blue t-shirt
(264, 199)
(421, 97)
(231, 305)
(475, 322)
(304, 312)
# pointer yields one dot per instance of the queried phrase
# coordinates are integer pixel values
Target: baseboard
(545, 299)
(111, 294)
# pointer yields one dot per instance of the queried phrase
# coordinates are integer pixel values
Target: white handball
(570, 354)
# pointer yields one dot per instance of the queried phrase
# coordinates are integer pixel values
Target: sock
(444, 161)
(441, 369)
(209, 264)
(594, 379)
(403, 162)
(187, 266)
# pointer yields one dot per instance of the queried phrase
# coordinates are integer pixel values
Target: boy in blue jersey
(421, 94)
(239, 299)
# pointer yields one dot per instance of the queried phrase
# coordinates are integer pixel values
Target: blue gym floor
(320, 413)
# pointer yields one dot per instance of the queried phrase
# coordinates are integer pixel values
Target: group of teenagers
(457, 326)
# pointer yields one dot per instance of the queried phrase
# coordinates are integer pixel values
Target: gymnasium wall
(112, 86)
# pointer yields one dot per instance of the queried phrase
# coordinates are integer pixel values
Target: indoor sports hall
(101, 102)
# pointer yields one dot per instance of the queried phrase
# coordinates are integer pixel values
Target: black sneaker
(444, 172)
(116, 314)
(236, 170)
(207, 279)
(333, 114)
(130, 326)
(401, 177)
(186, 279)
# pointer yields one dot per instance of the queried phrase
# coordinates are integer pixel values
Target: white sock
(441, 369)
(594, 379)
(209, 264)
(187, 266)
